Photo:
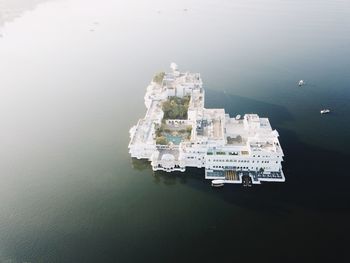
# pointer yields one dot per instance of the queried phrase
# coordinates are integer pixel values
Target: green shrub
(176, 108)
(158, 78)
(161, 140)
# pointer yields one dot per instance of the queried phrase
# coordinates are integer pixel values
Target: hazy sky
(10, 9)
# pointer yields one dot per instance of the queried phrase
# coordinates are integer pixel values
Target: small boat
(324, 111)
(301, 83)
(217, 183)
(238, 117)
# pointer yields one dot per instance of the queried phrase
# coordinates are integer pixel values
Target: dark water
(73, 77)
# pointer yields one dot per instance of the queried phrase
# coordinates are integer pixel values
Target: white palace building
(234, 150)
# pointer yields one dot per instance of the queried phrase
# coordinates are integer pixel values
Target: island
(178, 132)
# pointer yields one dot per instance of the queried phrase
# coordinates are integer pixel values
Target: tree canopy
(161, 140)
(176, 108)
(158, 78)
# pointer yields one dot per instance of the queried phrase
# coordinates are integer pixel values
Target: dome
(173, 66)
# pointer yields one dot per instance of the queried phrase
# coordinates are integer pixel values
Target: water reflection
(168, 178)
(174, 178)
(160, 177)
(140, 165)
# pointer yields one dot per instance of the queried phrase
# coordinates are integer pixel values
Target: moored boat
(217, 183)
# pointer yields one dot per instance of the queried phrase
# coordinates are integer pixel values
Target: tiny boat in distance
(301, 83)
(324, 111)
(217, 183)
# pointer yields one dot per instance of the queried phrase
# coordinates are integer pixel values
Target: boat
(238, 117)
(324, 111)
(246, 181)
(217, 183)
(301, 83)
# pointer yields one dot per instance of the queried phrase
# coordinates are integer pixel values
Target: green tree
(161, 140)
(158, 78)
(176, 108)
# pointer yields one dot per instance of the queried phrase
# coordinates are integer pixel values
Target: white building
(232, 149)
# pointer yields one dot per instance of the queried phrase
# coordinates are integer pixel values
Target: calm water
(73, 77)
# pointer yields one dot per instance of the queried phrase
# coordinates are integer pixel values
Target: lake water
(73, 77)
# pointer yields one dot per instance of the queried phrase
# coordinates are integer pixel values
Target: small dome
(173, 66)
